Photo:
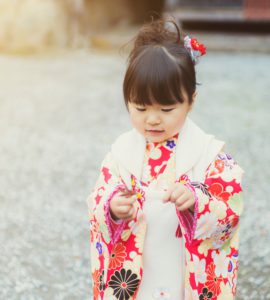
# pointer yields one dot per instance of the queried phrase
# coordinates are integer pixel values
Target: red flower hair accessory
(195, 49)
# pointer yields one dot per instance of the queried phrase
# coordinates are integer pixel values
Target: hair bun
(157, 32)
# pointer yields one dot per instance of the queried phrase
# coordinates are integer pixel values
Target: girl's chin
(156, 138)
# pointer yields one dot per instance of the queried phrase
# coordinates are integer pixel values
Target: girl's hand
(122, 206)
(181, 196)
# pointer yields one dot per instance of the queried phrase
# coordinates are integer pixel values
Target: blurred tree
(35, 25)
(104, 13)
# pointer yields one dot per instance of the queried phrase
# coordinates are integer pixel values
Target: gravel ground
(58, 116)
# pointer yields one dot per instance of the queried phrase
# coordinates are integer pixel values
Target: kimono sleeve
(108, 184)
(219, 202)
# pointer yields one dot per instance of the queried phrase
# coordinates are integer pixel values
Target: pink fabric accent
(187, 218)
(115, 227)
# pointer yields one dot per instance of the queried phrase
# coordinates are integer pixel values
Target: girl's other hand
(181, 196)
(122, 206)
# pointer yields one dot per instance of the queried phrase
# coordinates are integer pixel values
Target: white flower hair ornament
(195, 49)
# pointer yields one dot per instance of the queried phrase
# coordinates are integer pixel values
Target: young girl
(164, 213)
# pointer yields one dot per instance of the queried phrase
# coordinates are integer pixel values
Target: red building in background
(257, 9)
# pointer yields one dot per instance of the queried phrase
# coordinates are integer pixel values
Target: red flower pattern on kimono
(216, 189)
(212, 280)
(117, 256)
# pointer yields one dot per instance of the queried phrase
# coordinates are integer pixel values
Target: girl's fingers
(127, 193)
(132, 215)
(167, 196)
(126, 212)
(122, 200)
(181, 200)
(124, 208)
(185, 205)
(174, 192)
(168, 193)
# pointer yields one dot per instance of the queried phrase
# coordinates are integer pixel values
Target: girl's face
(159, 122)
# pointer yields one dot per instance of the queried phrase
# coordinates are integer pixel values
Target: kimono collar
(129, 149)
(173, 140)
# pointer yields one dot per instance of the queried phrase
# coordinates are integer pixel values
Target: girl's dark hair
(160, 69)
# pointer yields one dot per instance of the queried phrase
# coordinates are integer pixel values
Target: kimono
(211, 233)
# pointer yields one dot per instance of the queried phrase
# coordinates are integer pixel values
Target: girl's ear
(194, 96)
(128, 106)
(193, 100)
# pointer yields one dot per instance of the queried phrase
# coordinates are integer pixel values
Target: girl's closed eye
(167, 109)
(140, 109)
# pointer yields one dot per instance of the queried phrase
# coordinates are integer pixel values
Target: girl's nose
(153, 120)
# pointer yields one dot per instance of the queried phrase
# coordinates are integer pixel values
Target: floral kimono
(210, 233)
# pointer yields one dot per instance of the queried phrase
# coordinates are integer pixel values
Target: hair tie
(195, 49)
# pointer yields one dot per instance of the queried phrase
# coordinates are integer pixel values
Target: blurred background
(61, 105)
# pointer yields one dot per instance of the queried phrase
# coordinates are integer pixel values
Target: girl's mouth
(155, 132)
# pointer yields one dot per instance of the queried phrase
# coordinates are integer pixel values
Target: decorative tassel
(178, 232)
